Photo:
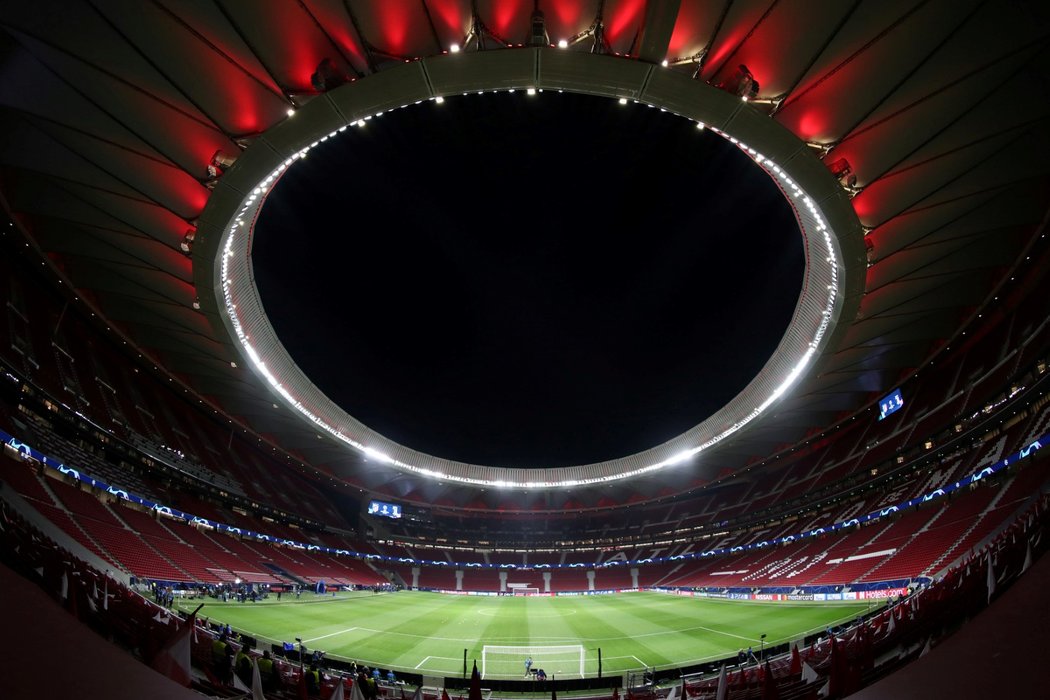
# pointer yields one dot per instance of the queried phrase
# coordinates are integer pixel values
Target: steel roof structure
(113, 111)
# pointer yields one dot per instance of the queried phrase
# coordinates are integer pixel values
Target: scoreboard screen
(890, 403)
(383, 509)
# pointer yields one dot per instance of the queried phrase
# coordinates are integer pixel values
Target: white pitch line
(446, 658)
(709, 629)
(629, 656)
(644, 665)
(542, 640)
(326, 636)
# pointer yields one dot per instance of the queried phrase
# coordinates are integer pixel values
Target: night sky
(528, 281)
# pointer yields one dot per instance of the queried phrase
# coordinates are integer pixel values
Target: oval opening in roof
(517, 279)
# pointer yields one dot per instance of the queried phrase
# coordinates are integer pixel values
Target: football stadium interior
(504, 348)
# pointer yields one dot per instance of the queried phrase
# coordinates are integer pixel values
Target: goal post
(508, 662)
(524, 590)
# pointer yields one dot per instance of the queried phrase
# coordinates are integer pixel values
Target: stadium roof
(112, 113)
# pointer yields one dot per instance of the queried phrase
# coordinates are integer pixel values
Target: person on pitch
(528, 665)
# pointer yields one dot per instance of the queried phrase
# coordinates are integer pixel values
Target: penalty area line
(445, 658)
(333, 634)
(641, 664)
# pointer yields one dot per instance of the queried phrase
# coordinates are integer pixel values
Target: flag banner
(769, 685)
(475, 684)
(338, 692)
(173, 659)
(239, 685)
(257, 689)
(722, 693)
(991, 579)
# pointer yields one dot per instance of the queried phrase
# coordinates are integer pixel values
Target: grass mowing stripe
(600, 621)
(428, 631)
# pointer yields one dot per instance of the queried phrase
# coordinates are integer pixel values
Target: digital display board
(891, 403)
(383, 509)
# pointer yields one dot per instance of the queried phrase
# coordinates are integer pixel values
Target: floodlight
(741, 83)
(220, 162)
(186, 246)
(538, 30)
(843, 172)
(327, 76)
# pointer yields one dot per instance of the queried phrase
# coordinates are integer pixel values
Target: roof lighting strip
(237, 278)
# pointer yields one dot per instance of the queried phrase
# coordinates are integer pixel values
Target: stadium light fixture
(220, 162)
(741, 83)
(843, 172)
(327, 76)
(538, 29)
(186, 245)
(376, 455)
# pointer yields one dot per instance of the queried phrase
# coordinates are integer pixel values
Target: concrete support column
(459, 579)
(634, 577)
(546, 582)
(503, 582)
(415, 577)
(590, 580)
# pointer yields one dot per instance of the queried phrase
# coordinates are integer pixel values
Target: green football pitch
(427, 632)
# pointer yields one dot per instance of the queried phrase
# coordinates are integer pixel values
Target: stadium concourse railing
(838, 663)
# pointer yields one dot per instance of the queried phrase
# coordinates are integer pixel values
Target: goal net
(524, 590)
(504, 662)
